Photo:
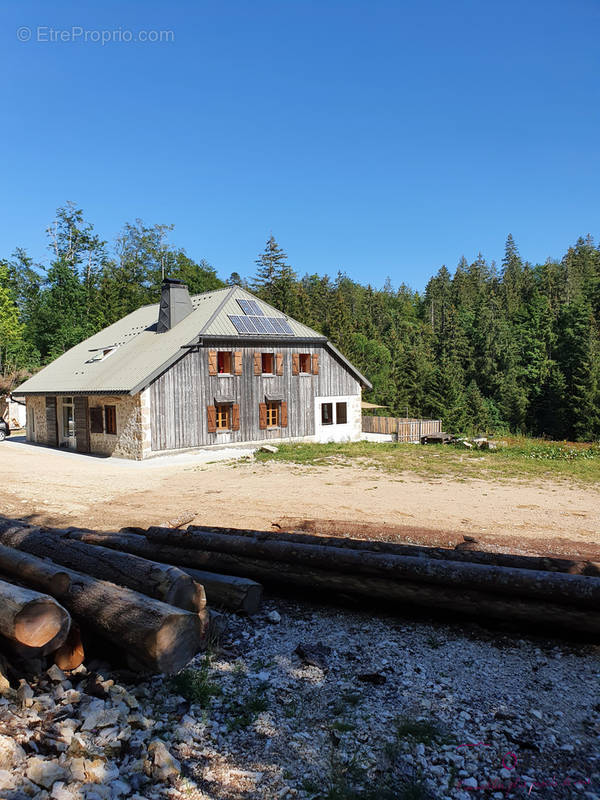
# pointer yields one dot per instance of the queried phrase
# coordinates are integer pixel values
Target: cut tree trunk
(163, 582)
(398, 596)
(229, 591)
(557, 587)
(157, 636)
(558, 547)
(470, 555)
(225, 591)
(71, 654)
(30, 618)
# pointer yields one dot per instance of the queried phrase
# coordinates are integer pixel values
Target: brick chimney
(175, 304)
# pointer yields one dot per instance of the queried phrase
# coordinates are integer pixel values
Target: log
(225, 591)
(229, 591)
(30, 618)
(560, 546)
(158, 636)
(71, 654)
(468, 555)
(557, 587)
(163, 582)
(396, 596)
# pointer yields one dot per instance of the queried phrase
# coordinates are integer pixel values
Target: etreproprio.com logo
(78, 34)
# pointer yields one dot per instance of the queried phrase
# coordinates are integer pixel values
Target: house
(218, 368)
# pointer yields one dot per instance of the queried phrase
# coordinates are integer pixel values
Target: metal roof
(136, 353)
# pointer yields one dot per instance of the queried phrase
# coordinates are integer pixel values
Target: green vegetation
(515, 458)
(195, 685)
(420, 730)
(244, 711)
(486, 350)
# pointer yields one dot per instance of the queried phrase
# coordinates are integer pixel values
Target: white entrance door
(67, 438)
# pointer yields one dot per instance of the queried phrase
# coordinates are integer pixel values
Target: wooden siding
(51, 422)
(180, 396)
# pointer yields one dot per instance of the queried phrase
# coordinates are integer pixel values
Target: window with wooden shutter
(212, 362)
(341, 413)
(273, 408)
(295, 363)
(262, 416)
(110, 419)
(235, 417)
(315, 364)
(211, 417)
(279, 363)
(284, 414)
(304, 361)
(237, 362)
(223, 416)
(224, 362)
(258, 363)
(96, 420)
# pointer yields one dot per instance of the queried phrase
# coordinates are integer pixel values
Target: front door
(67, 433)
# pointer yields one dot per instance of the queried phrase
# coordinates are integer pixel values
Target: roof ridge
(217, 310)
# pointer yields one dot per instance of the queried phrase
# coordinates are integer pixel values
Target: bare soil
(56, 488)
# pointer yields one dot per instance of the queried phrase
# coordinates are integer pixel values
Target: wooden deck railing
(407, 429)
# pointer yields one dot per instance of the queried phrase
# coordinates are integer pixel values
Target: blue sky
(379, 138)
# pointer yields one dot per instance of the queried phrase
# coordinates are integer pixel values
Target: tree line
(487, 348)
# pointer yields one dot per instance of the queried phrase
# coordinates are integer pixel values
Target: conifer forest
(490, 348)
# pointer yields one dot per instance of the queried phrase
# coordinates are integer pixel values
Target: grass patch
(421, 730)
(516, 457)
(241, 713)
(195, 685)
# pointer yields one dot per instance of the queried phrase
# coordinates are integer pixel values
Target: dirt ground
(58, 488)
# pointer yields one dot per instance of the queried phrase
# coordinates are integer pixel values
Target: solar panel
(258, 324)
(250, 308)
(281, 325)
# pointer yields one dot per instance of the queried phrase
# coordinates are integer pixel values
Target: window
(267, 363)
(341, 413)
(272, 414)
(100, 353)
(326, 413)
(110, 419)
(223, 417)
(305, 362)
(96, 422)
(224, 362)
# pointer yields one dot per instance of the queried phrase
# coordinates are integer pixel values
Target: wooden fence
(407, 430)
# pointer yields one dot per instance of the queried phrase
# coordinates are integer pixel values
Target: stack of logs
(56, 591)
(559, 593)
(146, 590)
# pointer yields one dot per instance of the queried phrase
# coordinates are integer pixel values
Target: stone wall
(130, 437)
(37, 430)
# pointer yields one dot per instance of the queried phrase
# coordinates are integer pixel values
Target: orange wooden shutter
(211, 415)
(212, 362)
(258, 363)
(279, 363)
(237, 362)
(235, 417)
(315, 363)
(284, 421)
(295, 364)
(262, 416)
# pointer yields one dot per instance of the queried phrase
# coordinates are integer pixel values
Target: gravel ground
(306, 702)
